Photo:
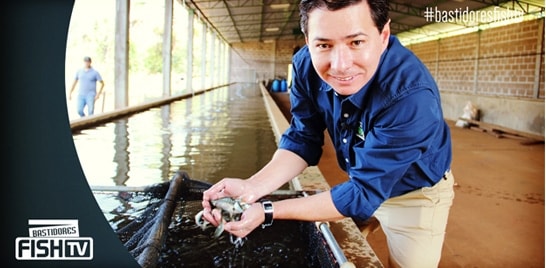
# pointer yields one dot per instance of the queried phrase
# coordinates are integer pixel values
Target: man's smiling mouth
(344, 78)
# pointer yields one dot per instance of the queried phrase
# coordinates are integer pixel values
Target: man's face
(345, 46)
(87, 63)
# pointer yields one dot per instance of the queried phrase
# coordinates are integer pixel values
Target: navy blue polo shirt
(390, 136)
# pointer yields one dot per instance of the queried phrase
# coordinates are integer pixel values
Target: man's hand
(251, 218)
(228, 187)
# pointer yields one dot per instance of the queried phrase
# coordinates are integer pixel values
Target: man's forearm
(283, 166)
(101, 87)
(318, 207)
(73, 86)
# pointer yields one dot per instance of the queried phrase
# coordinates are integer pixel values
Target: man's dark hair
(378, 8)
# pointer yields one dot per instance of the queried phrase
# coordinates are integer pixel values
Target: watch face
(268, 206)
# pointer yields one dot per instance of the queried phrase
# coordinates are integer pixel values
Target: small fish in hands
(231, 210)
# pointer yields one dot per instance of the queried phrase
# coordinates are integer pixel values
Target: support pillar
(538, 60)
(189, 69)
(212, 61)
(121, 51)
(167, 48)
(203, 55)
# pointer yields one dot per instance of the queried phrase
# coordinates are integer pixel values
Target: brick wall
(266, 60)
(456, 63)
(506, 61)
(500, 70)
(284, 52)
(428, 53)
(251, 61)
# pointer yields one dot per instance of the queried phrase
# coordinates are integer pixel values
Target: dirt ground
(497, 218)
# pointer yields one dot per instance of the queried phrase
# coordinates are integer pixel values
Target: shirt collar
(324, 86)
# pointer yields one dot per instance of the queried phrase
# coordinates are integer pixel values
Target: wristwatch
(268, 210)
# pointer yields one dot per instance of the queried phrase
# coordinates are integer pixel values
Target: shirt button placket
(344, 140)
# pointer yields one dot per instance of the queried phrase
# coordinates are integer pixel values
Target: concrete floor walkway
(497, 218)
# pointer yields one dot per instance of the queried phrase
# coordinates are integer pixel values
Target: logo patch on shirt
(360, 132)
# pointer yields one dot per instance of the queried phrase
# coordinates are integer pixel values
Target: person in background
(382, 110)
(87, 95)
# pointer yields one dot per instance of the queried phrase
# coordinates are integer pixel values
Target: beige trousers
(415, 224)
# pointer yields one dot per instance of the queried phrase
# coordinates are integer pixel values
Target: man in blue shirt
(382, 109)
(87, 95)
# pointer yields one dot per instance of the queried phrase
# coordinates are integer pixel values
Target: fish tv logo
(53, 240)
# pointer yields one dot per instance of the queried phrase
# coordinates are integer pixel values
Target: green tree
(153, 61)
(134, 63)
